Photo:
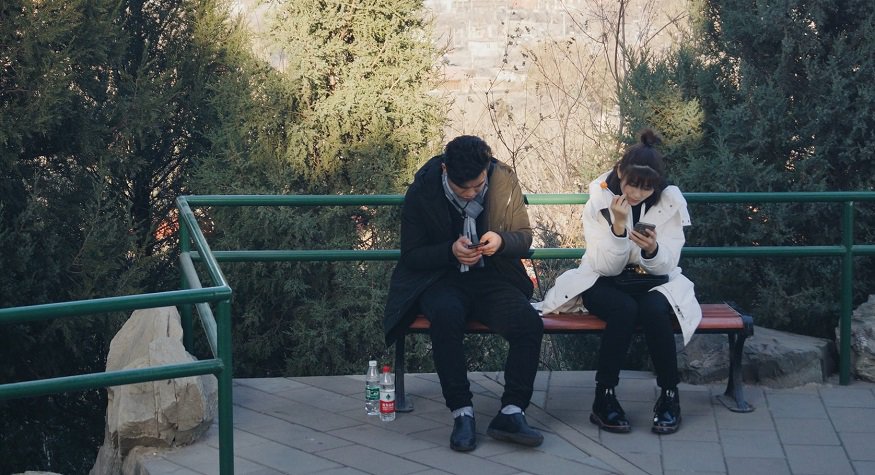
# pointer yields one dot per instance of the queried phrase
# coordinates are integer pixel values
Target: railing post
(847, 292)
(226, 378)
(185, 309)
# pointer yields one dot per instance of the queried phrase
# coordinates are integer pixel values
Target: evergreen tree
(769, 97)
(346, 111)
(103, 107)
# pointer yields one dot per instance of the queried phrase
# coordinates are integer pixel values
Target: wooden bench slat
(714, 317)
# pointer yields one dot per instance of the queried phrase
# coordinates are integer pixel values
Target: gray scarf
(469, 210)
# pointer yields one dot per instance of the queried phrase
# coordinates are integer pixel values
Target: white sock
(464, 411)
(511, 409)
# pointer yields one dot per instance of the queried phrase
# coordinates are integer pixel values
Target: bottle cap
(372, 363)
(387, 369)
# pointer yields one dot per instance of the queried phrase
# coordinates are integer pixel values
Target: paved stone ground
(318, 425)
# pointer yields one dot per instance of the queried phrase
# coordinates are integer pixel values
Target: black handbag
(635, 280)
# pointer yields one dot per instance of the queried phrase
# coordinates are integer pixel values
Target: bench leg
(402, 403)
(733, 397)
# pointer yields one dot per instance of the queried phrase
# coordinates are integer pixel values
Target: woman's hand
(646, 241)
(621, 209)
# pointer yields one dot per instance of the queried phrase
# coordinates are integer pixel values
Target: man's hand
(491, 243)
(464, 255)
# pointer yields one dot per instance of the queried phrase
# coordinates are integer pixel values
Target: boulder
(862, 340)
(771, 358)
(160, 414)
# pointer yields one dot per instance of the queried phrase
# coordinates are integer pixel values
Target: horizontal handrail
(110, 378)
(332, 255)
(50, 311)
(531, 198)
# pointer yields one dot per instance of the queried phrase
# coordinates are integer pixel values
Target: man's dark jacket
(427, 236)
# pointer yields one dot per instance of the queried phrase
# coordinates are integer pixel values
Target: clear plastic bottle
(372, 389)
(387, 395)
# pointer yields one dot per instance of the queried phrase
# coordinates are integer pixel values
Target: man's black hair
(466, 156)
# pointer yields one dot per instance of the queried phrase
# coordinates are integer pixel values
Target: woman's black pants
(622, 313)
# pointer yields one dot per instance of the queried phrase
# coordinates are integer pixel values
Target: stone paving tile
(696, 427)
(793, 405)
(692, 456)
(311, 417)
(847, 397)
(268, 385)
(751, 443)
(284, 458)
(404, 422)
(806, 432)
(637, 441)
(757, 466)
(559, 400)
(650, 463)
(817, 460)
(575, 379)
(381, 439)
(860, 446)
(853, 419)
(158, 464)
(373, 461)
(347, 471)
(349, 385)
(864, 468)
(423, 405)
(204, 459)
(459, 463)
(324, 399)
(537, 462)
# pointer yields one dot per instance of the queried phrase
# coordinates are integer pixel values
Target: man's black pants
(490, 299)
(622, 313)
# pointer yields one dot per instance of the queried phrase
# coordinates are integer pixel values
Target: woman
(634, 191)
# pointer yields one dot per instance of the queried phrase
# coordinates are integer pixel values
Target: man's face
(468, 190)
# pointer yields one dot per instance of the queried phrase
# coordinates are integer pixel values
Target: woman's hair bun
(649, 138)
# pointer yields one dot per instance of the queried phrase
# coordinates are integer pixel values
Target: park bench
(716, 318)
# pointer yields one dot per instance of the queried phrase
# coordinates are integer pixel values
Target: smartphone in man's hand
(475, 246)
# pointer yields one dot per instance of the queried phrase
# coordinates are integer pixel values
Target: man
(464, 229)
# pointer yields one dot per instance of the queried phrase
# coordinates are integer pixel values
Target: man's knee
(447, 317)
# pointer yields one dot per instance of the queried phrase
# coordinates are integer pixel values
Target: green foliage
(347, 112)
(103, 106)
(768, 97)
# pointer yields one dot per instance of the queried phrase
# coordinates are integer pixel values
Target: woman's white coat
(607, 255)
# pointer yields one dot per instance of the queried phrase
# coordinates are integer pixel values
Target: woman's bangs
(642, 176)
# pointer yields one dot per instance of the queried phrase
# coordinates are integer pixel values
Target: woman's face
(633, 193)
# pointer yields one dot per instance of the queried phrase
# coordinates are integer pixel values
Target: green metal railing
(194, 296)
(847, 250)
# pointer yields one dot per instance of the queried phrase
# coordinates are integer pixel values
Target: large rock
(862, 340)
(771, 358)
(158, 414)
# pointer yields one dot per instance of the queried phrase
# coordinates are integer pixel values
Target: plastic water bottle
(387, 395)
(372, 389)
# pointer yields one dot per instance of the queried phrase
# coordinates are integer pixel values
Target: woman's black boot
(607, 413)
(667, 412)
